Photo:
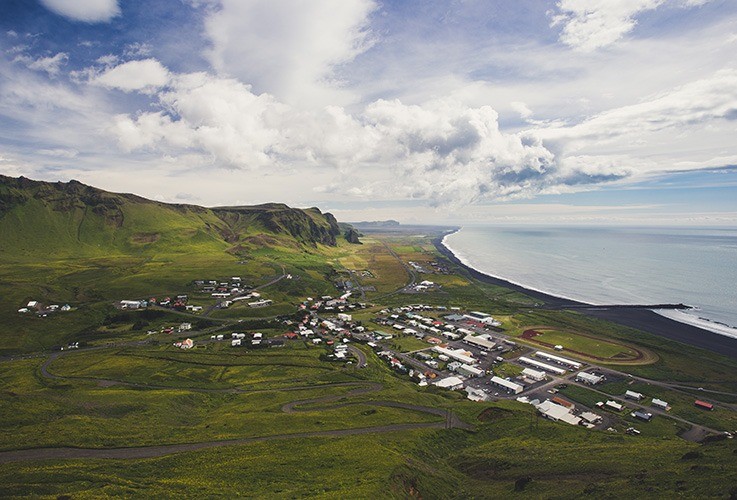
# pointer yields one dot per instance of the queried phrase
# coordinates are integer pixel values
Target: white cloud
(90, 11)
(51, 65)
(143, 75)
(289, 48)
(708, 100)
(523, 109)
(592, 24)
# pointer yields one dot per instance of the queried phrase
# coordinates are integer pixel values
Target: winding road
(450, 420)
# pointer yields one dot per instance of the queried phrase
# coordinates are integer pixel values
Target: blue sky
(575, 111)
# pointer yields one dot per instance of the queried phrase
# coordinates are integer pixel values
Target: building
(659, 403)
(703, 405)
(535, 375)
(588, 378)
(563, 402)
(456, 354)
(635, 396)
(590, 417)
(454, 366)
(470, 371)
(644, 416)
(614, 405)
(481, 317)
(479, 341)
(542, 366)
(508, 386)
(476, 394)
(260, 303)
(452, 383)
(559, 360)
(557, 413)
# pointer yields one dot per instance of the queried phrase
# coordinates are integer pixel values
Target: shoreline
(639, 318)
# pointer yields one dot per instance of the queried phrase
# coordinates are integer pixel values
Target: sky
(422, 111)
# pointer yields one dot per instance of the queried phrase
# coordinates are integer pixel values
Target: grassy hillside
(71, 220)
(72, 243)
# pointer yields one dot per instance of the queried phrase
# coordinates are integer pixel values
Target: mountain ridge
(72, 218)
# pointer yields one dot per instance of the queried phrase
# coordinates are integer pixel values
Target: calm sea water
(615, 265)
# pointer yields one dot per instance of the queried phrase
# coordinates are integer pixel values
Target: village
(467, 351)
(452, 349)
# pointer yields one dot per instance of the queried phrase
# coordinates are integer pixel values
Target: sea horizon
(597, 283)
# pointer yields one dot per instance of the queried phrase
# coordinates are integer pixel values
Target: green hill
(66, 242)
(62, 220)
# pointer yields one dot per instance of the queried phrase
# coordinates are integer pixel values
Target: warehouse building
(470, 371)
(559, 360)
(557, 413)
(542, 366)
(535, 375)
(479, 342)
(457, 354)
(508, 386)
(588, 378)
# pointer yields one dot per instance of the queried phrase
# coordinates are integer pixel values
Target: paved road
(359, 354)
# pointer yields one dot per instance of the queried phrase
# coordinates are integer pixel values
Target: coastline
(643, 319)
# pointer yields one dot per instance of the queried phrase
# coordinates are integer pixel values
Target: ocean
(696, 266)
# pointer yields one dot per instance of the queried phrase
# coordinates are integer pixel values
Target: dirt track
(640, 356)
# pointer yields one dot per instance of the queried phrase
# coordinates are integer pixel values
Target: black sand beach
(637, 317)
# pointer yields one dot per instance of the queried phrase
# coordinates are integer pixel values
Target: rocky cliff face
(351, 236)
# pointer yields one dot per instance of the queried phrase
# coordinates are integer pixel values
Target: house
(454, 365)
(614, 405)
(185, 326)
(659, 403)
(644, 416)
(635, 396)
